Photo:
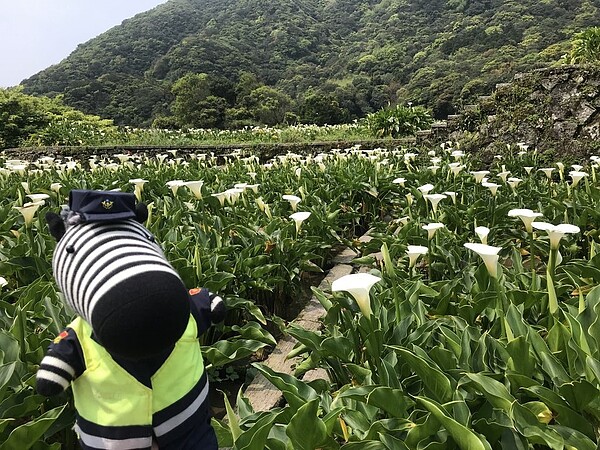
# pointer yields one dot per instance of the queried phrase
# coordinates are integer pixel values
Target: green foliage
(586, 46)
(267, 105)
(363, 54)
(398, 121)
(321, 109)
(26, 120)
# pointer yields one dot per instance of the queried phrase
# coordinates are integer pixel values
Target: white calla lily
(195, 187)
(526, 215)
(556, 232)
(435, 200)
(489, 254)
(577, 176)
(358, 285)
(482, 234)
(426, 188)
(293, 199)
(28, 211)
(431, 228)
(413, 252)
(298, 218)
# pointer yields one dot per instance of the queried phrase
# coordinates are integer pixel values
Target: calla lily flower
(528, 169)
(493, 187)
(195, 187)
(561, 169)
(3, 282)
(577, 176)
(556, 232)
(56, 187)
(413, 252)
(139, 187)
(233, 195)
(479, 175)
(28, 211)
(455, 168)
(299, 217)
(399, 181)
(358, 285)
(174, 185)
(254, 187)
(504, 175)
(435, 200)
(457, 154)
(547, 171)
(482, 234)
(489, 255)
(426, 188)
(432, 228)
(513, 182)
(452, 195)
(221, 196)
(293, 199)
(526, 215)
(38, 197)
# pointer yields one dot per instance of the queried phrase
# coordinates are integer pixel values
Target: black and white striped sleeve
(62, 364)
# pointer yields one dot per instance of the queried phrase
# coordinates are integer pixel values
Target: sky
(35, 34)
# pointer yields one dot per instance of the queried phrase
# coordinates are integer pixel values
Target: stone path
(262, 395)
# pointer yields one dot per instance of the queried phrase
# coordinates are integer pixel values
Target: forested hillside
(309, 60)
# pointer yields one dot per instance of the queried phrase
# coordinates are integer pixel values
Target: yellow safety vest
(117, 410)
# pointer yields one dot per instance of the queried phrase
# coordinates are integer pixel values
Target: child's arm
(62, 364)
(206, 308)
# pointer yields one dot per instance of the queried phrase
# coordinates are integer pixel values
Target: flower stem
(532, 261)
(552, 300)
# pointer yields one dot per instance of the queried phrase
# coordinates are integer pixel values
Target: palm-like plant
(586, 46)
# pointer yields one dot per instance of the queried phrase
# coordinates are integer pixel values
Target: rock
(584, 112)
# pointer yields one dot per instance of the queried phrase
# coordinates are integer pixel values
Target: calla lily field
(471, 320)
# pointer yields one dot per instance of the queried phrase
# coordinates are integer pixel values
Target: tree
(321, 109)
(586, 46)
(20, 116)
(189, 91)
(29, 120)
(268, 105)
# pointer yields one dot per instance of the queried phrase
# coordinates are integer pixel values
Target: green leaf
(521, 360)
(255, 437)
(565, 415)
(575, 439)
(233, 421)
(223, 352)
(463, 436)
(246, 305)
(364, 445)
(393, 401)
(27, 434)
(306, 419)
(295, 391)
(432, 377)
(494, 391)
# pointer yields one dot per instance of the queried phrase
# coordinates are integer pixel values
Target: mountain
(362, 54)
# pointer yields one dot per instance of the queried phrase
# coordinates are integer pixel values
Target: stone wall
(556, 110)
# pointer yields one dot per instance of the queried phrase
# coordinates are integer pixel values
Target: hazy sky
(35, 34)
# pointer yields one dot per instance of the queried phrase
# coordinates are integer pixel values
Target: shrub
(398, 121)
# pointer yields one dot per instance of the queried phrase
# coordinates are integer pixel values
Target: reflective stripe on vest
(112, 444)
(116, 408)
